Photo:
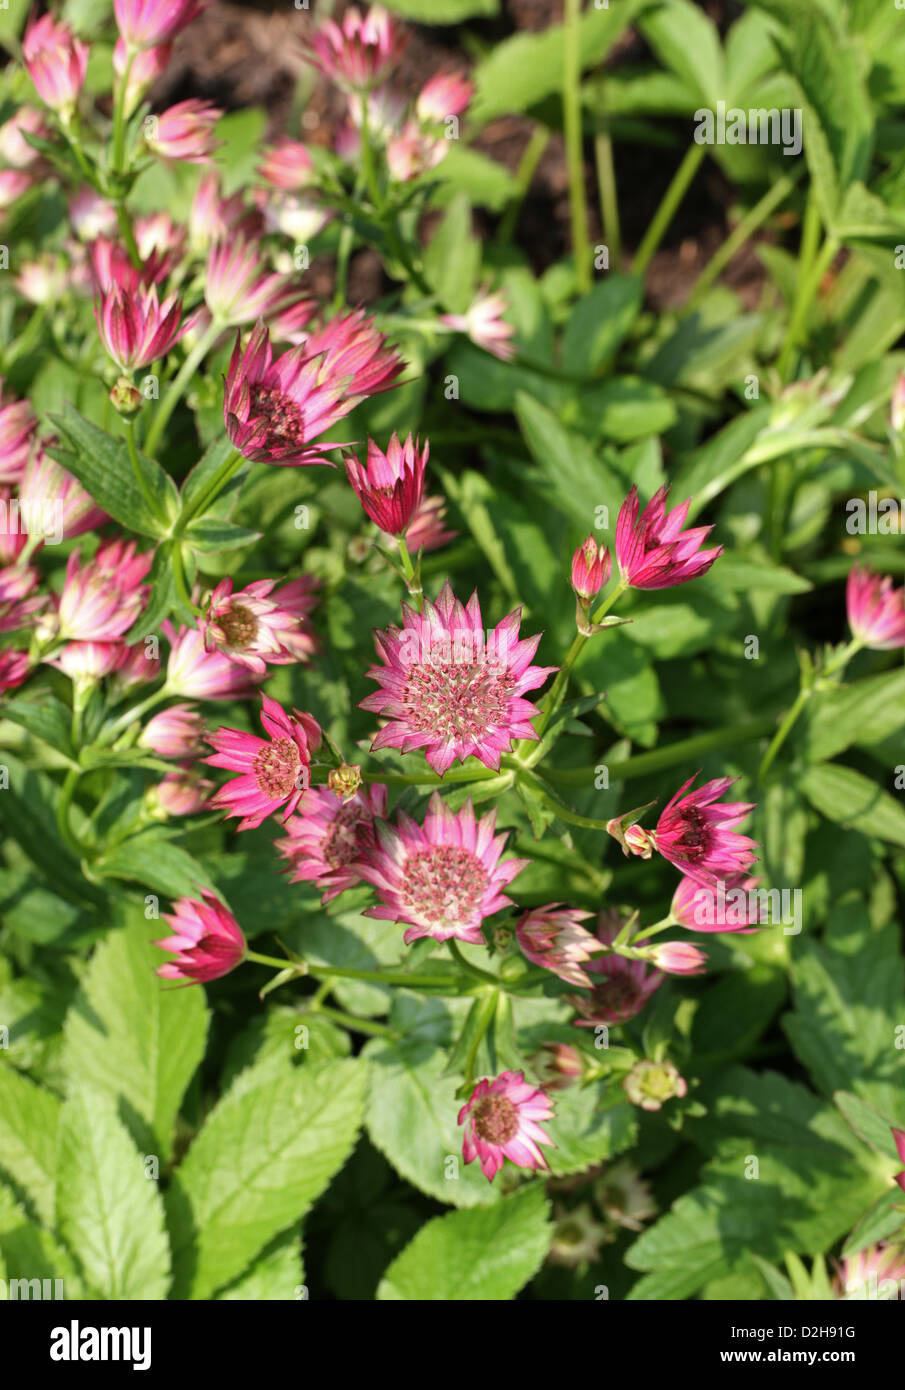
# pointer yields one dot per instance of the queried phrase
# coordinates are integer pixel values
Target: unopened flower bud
(126, 398)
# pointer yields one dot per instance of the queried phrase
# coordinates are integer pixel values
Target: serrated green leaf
(29, 1115)
(854, 801)
(102, 465)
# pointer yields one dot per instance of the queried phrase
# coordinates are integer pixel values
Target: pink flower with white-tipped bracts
(18, 423)
(427, 528)
(14, 148)
(143, 68)
(897, 404)
(876, 1273)
(138, 665)
(443, 95)
(184, 132)
(14, 669)
(290, 325)
(276, 408)
(876, 611)
(299, 597)
(207, 940)
(274, 771)
(183, 792)
(194, 672)
(91, 215)
(52, 501)
(390, 485)
(102, 598)
(248, 626)
(239, 287)
(213, 216)
(501, 1121)
(484, 324)
(591, 566)
(56, 61)
(620, 986)
(176, 732)
(696, 833)
(360, 51)
(443, 877)
(136, 328)
(678, 958)
(286, 164)
(652, 549)
(13, 183)
(731, 906)
(146, 23)
(328, 837)
(446, 689)
(85, 663)
(553, 937)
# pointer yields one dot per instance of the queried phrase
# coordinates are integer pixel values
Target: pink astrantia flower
(443, 877)
(286, 164)
(652, 549)
(427, 529)
(390, 486)
(202, 675)
(875, 1273)
(274, 409)
(136, 328)
(183, 792)
(207, 940)
(239, 287)
(484, 324)
(14, 669)
(18, 423)
(501, 1121)
(620, 986)
(897, 404)
(898, 1136)
(248, 626)
(13, 183)
(146, 23)
(143, 69)
(56, 61)
(732, 906)
(14, 148)
(87, 662)
(361, 50)
(290, 325)
(184, 132)
(274, 771)
(176, 732)
(138, 666)
(91, 215)
(102, 598)
(213, 216)
(447, 690)
(552, 937)
(328, 837)
(876, 611)
(678, 958)
(696, 833)
(298, 597)
(53, 502)
(591, 566)
(443, 95)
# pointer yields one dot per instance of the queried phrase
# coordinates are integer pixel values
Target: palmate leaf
(264, 1154)
(485, 1254)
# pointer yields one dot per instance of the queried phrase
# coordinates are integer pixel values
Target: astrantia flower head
(18, 423)
(56, 61)
(652, 549)
(102, 598)
(329, 836)
(14, 669)
(184, 132)
(207, 940)
(174, 733)
(553, 937)
(14, 148)
(876, 611)
(443, 95)
(591, 566)
(696, 833)
(733, 905)
(287, 165)
(249, 626)
(54, 503)
(651, 1084)
(620, 986)
(239, 287)
(275, 409)
(501, 1121)
(390, 485)
(183, 792)
(875, 1273)
(140, 70)
(200, 674)
(427, 528)
(443, 877)
(274, 771)
(87, 662)
(360, 51)
(136, 328)
(448, 690)
(146, 23)
(484, 324)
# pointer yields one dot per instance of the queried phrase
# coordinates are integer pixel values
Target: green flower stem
(662, 925)
(540, 138)
(740, 234)
(180, 382)
(667, 209)
(224, 475)
(484, 975)
(112, 732)
(571, 102)
(67, 792)
(808, 287)
(412, 579)
(485, 1018)
(358, 1025)
(557, 690)
(367, 158)
(128, 234)
(609, 199)
(377, 977)
(804, 694)
(144, 487)
(671, 755)
(119, 115)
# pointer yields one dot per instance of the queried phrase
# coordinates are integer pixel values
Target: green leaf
(452, 261)
(109, 1212)
(600, 322)
(266, 1151)
(275, 1275)
(867, 711)
(586, 1130)
(46, 718)
(867, 1122)
(29, 1116)
(579, 480)
(451, 12)
(480, 1255)
(687, 41)
(162, 598)
(134, 1039)
(853, 800)
(153, 859)
(102, 465)
(208, 533)
(202, 475)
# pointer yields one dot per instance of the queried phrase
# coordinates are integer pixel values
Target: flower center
(239, 626)
(694, 836)
(495, 1119)
(457, 699)
(444, 887)
(620, 996)
(341, 839)
(286, 423)
(277, 769)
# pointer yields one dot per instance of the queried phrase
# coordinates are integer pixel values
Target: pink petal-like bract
(502, 1121)
(207, 940)
(652, 549)
(274, 771)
